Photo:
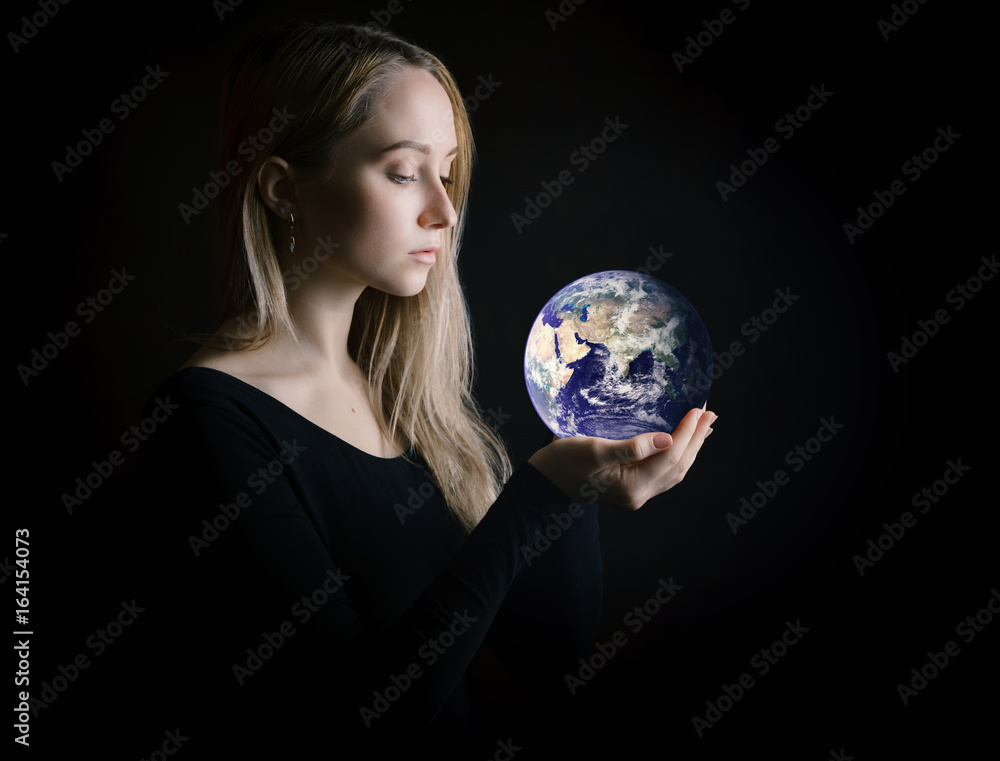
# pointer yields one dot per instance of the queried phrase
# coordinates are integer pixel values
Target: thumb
(661, 441)
(642, 446)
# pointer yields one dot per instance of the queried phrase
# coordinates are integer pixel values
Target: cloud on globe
(616, 354)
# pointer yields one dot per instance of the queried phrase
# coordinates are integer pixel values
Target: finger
(625, 468)
(680, 460)
(635, 455)
(633, 450)
(645, 445)
(686, 431)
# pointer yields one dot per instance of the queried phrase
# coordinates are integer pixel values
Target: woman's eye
(402, 179)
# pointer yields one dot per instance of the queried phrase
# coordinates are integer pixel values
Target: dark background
(654, 186)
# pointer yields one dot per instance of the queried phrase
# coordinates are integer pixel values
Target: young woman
(341, 528)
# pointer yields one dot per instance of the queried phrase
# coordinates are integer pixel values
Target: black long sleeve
(314, 592)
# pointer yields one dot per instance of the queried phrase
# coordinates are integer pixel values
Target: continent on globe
(615, 354)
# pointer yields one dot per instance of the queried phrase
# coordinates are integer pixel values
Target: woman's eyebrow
(414, 145)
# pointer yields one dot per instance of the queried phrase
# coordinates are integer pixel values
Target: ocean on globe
(616, 354)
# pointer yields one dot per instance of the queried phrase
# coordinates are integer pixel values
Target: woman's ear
(277, 185)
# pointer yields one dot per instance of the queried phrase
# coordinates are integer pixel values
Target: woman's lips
(425, 255)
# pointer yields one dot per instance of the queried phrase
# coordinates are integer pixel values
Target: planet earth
(616, 354)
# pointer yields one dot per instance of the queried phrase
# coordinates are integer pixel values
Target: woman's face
(385, 206)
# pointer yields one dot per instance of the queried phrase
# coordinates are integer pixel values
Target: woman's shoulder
(208, 379)
(206, 409)
(232, 363)
(247, 372)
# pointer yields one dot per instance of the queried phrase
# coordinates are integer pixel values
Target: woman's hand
(624, 473)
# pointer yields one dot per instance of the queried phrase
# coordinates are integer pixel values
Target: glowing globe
(616, 354)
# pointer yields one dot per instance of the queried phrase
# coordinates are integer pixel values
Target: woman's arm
(242, 649)
(234, 600)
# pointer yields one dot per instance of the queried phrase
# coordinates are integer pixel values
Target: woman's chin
(403, 287)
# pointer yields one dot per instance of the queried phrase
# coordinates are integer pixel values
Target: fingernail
(709, 432)
(662, 440)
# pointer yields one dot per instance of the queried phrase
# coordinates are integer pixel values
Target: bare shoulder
(338, 403)
(248, 366)
(218, 359)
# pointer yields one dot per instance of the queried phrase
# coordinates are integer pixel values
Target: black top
(312, 592)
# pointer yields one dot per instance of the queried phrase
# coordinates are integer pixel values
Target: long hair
(309, 85)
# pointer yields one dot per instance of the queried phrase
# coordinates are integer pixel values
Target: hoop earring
(291, 230)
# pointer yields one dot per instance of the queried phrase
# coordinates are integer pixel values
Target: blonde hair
(417, 352)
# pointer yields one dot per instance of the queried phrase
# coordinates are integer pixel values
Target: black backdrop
(556, 73)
